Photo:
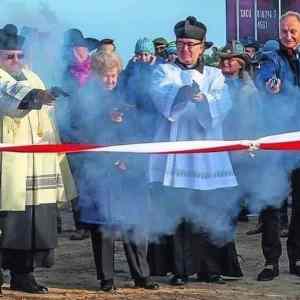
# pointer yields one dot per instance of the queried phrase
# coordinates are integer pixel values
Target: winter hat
(144, 45)
(9, 38)
(190, 28)
(171, 49)
(234, 49)
(74, 38)
(249, 42)
(160, 41)
(271, 45)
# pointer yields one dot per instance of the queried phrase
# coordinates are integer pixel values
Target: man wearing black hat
(30, 184)
(192, 101)
(77, 73)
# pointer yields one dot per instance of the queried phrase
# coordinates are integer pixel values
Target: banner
(231, 26)
(267, 20)
(290, 5)
(246, 19)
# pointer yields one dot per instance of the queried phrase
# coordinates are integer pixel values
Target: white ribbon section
(174, 147)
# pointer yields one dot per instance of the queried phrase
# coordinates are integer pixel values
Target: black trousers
(183, 249)
(135, 250)
(293, 241)
(194, 252)
(271, 244)
(18, 261)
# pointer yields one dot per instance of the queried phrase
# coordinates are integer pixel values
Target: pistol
(196, 88)
(58, 91)
(274, 81)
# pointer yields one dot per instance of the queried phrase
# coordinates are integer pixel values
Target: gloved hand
(45, 97)
(185, 93)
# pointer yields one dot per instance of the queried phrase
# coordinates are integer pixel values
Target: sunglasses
(13, 56)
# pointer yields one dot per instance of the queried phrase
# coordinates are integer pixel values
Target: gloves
(44, 97)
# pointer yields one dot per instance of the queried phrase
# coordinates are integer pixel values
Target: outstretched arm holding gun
(37, 98)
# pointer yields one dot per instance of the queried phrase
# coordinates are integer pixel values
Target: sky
(124, 20)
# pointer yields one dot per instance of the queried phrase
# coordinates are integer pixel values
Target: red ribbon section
(50, 148)
(289, 145)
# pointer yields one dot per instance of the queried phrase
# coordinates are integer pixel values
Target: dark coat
(109, 195)
(134, 82)
(34, 230)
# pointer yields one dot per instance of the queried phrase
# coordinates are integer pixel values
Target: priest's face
(290, 32)
(11, 60)
(189, 50)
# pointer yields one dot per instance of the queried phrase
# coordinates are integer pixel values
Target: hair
(103, 62)
(107, 42)
(243, 73)
(290, 13)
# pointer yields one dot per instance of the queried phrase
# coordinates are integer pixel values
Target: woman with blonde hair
(114, 193)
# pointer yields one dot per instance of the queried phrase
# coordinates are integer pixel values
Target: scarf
(82, 71)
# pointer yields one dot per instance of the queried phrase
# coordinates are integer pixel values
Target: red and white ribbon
(286, 142)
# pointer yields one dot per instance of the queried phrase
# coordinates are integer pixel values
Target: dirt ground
(73, 276)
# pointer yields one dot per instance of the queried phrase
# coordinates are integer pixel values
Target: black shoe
(218, 279)
(295, 267)
(268, 273)
(80, 235)
(243, 219)
(26, 283)
(256, 230)
(107, 285)
(146, 283)
(179, 280)
(202, 277)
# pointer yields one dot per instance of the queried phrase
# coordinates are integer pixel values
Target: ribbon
(284, 142)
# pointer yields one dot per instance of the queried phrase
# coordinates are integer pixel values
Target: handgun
(274, 81)
(57, 91)
(196, 88)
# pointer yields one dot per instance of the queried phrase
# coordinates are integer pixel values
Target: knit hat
(271, 45)
(160, 41)
(171, 49)
(190, 28)
(9, 38)
(144, 45)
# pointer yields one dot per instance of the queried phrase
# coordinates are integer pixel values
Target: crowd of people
(175, 213)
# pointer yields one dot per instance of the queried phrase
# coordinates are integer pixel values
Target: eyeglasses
(13, 56)
(180, 45)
